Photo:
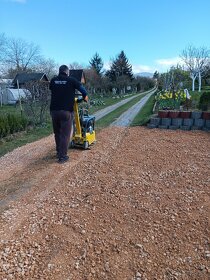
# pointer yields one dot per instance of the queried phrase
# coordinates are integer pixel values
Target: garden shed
(78, 74)
(23, 78)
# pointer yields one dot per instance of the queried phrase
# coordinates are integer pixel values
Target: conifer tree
(96, 63)
(120, 67)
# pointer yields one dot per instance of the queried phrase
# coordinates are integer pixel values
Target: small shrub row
(204, 103)
(11, 123)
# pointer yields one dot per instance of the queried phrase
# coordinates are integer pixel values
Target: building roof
(77, 74)
(28, 77)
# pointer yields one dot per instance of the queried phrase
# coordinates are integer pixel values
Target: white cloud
(137, 68)
(164, 64)
(169, 61)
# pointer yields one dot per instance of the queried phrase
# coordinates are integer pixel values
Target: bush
(204, 103)
(4, 126)
(12, 123)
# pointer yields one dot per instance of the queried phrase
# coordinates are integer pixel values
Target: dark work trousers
(62, 127)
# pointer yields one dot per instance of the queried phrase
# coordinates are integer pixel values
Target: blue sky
(152, 33)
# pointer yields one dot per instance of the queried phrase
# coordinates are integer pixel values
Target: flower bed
(167, 100)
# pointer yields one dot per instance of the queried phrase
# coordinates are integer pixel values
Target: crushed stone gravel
(134, 206)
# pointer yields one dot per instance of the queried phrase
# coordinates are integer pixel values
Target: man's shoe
(63, 159)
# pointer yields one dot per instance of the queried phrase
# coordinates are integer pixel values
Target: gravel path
(103, 112)
(127, 117)
(135, 206)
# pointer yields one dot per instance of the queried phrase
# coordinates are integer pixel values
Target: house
(23, 78)
(78, 74)
(11, 96)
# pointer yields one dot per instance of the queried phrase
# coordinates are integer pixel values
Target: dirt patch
(135, 206)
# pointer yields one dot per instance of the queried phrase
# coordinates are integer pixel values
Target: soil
(135, 206)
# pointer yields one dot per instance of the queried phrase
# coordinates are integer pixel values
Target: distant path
(103, 112)
(127, 117)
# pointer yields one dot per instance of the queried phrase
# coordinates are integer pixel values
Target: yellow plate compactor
(83, 127)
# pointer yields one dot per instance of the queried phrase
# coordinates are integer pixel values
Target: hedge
(204, 103)
(12, 123)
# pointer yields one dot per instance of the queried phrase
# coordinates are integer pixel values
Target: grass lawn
(10, 109)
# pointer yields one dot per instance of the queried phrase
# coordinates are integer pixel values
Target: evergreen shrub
(11, 123)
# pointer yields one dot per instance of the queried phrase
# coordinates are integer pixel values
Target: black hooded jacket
(63, 92)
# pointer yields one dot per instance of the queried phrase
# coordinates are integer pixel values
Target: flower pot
(185, 114)
(206, 115)
(173, 114)
(163, 114)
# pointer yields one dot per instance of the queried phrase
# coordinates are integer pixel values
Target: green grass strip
(108, 101)
(144, 114)
(111, 117)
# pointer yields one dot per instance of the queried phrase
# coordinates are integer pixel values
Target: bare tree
(189, 57)
(36, 102)
(2, 48)
(2, 44)
(47, 66)
(196, 60)
(202, 60)
(20, 54)
(75, 65)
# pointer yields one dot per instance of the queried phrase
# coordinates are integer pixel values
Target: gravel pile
(135, 206)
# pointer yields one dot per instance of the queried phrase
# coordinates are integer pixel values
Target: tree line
(17, 56)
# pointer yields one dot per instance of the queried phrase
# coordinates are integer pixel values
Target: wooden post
(1, 96)
(21, 108)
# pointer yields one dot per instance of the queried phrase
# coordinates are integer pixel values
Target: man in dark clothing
(61, 108)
